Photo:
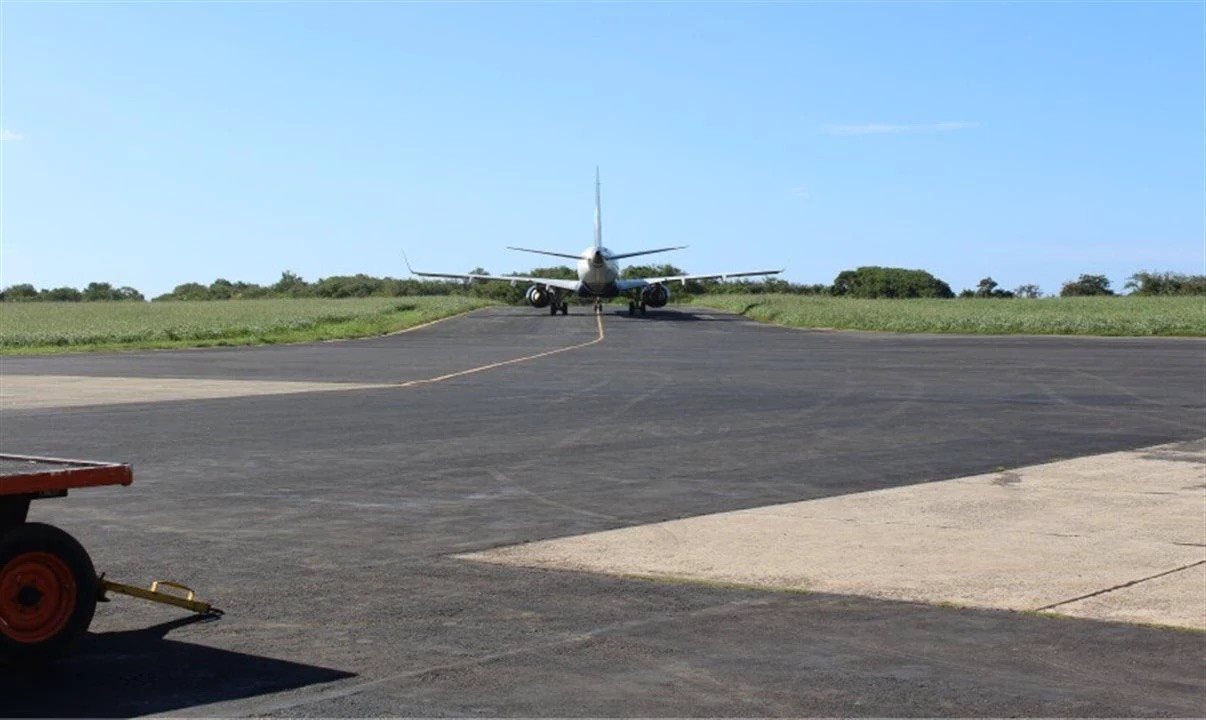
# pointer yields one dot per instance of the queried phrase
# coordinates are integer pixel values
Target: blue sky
(154, 144)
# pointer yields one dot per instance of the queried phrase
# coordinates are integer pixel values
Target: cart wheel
(48, 592)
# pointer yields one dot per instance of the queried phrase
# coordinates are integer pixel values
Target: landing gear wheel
(565, 308)
(553, 309)
(642, 308)
(48, 592)
(631, 308)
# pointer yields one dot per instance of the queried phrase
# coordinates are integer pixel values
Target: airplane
(598, 276)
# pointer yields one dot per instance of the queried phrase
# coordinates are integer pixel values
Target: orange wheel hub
(37, 597)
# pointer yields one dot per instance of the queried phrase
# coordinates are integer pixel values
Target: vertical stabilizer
(598, 213)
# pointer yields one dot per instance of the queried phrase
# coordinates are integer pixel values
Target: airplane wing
(635, 283)
(570, 285)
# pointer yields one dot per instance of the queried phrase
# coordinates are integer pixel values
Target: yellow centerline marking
(427, 324)
(512, 361)
(30, 392)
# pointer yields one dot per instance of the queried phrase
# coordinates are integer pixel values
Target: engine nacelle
(655, 295)
(538, 296)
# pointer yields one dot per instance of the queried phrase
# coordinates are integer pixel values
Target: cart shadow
(138, 672)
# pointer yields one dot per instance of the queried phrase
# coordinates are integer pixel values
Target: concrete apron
(1120, 536)
(30, 392)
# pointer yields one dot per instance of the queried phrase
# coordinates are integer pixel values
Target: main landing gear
(562, 306)
(633, 306)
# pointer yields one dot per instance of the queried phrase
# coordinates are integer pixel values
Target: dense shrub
(61, 294)
(104, 292)
(187, 291)
(987, 288)
(1086, 285)
(885, 282)
(24, 291)
(1166, 283)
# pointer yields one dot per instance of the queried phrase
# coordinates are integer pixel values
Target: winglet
(407, 261)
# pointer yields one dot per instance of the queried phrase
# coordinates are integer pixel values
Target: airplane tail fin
(598, 213)
(599, 227)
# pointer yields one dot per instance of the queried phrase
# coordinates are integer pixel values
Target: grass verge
(39, 328)
(1113, 316)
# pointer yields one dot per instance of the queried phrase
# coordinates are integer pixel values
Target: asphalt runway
(324, 523)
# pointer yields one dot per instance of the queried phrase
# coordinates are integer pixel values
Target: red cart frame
(48, 586)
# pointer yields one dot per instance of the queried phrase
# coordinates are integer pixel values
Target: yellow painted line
(598, 339)
(429, 323)
(412, 328)
(29, 392)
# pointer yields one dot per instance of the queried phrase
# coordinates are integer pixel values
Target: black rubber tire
(42, 538)
(553, 309)
(565, 308)
(631, 309)
(642, 308)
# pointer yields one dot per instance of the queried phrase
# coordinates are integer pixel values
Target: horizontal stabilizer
(644, 252)
(546, 252)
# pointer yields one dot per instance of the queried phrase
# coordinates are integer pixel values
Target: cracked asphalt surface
(323, 522)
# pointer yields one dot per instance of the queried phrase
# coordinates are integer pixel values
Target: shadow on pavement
(119, 674)
(677, 314)
(682, 316)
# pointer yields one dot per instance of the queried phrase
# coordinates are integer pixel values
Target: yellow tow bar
(188, 600)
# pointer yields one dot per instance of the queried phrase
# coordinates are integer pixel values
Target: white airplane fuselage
(598, 273)
(598, 276)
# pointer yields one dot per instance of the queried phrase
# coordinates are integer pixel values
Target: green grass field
(45, 327)
(1048, 316)
(27, 328)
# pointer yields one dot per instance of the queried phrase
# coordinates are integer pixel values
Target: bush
(104, 292)
(187, 291)
(1086, 285)
(291, 285)
(885, 282)
(1166, 283)
(988, 288)
(345, 286)
(24, 291)
(61, 294)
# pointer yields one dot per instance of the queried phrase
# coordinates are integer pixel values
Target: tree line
(863, 282)
(97, 291)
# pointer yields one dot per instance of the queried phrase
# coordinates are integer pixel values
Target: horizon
(1118, 289)
(155, 145)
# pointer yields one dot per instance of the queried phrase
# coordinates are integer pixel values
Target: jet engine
(538, 296)
(655, 295)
